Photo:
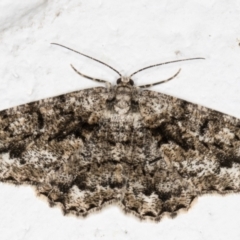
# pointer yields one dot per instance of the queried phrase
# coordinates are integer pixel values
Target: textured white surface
(127, 35)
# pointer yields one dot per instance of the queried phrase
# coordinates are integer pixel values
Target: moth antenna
(159, 64)
(88, 77)
(163, 81)
(88, 57)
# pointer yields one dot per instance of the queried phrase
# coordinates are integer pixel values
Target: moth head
(125, 81)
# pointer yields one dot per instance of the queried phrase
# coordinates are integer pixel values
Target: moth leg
(91, 78)
(161, 82)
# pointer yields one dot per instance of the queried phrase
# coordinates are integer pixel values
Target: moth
(148, 152)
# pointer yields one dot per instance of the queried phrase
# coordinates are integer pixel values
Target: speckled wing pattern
(148, 152)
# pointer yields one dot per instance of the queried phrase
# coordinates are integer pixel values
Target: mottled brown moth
(148, 152)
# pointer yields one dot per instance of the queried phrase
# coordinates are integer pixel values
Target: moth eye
(131, 82)
(119, 81)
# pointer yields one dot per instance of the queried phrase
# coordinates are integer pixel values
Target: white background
(127, 35)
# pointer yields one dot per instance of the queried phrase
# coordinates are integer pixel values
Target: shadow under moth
(148, 152)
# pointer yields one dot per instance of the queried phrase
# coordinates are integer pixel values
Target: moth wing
(47, 143)
(192, 150)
